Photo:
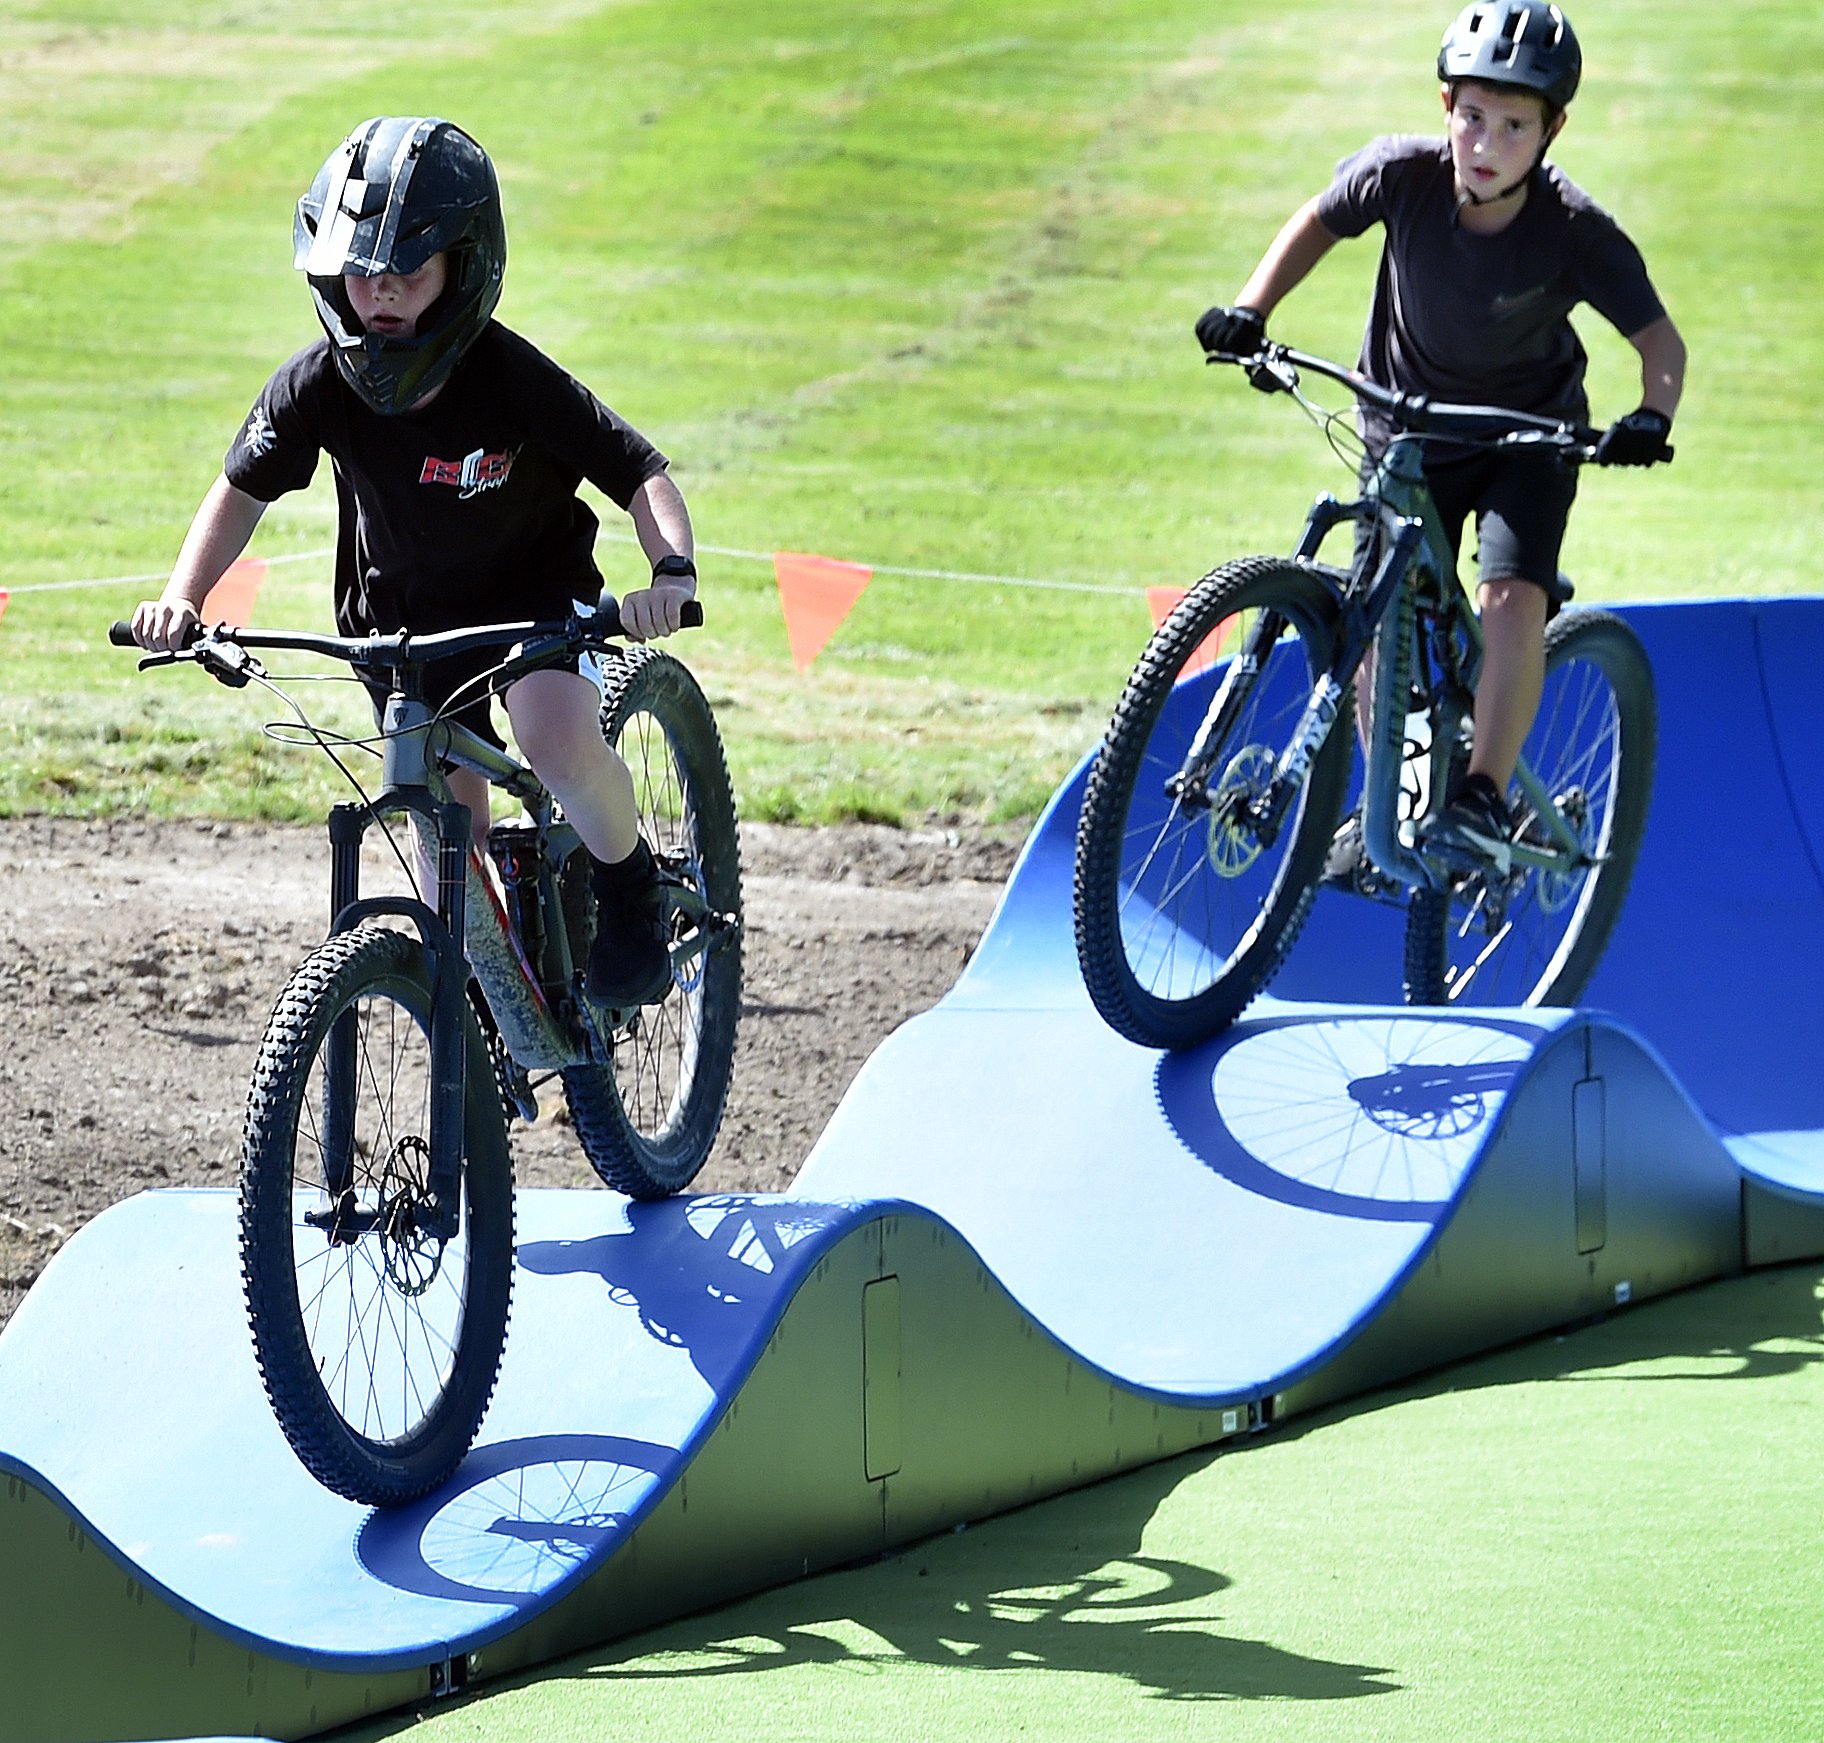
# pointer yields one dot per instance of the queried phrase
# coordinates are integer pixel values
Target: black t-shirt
(1483, 319)
(463, 513)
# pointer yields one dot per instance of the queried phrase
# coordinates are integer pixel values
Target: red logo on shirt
(471, 475)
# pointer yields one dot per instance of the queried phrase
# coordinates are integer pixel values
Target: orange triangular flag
(815, 595)
(231, 599)
(1161, 602)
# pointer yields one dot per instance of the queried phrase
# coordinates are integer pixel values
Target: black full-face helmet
(1526, 44)
(396, 191)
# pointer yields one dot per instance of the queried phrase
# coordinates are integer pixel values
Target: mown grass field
(909, 283)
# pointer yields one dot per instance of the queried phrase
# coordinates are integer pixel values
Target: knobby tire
(379, 1351)
(1180, 919)
(1593, 746)
(647, 1122)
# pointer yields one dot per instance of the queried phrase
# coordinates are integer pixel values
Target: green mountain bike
(1211, 806)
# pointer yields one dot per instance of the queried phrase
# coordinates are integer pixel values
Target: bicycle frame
(468, 929)
(1413, 606)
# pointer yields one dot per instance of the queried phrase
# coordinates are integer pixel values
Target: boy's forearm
(1301, 243)
(219, 533)
(1662, 365)
(661, 522)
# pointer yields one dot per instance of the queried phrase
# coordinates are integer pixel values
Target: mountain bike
(1211, 806)
(376, 1220)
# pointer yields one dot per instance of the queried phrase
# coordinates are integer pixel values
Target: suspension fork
(1362, 610)
(1190, 785)
(440, 929)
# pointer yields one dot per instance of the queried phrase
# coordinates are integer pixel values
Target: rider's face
(392, 303)
(1496, 136)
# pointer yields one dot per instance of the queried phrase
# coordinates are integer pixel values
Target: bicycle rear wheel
(378, 1339)
(1184, 905)
(648, 1121)
(1535, 938)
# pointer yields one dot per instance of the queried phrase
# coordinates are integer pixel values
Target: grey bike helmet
(1527, 44)
(395, 192)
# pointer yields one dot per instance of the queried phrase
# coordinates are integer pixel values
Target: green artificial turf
(908, 283)
(1610, 1535)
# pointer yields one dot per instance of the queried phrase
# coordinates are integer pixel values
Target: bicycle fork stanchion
(449, 1014)
(439, 1212)
(340, 1062)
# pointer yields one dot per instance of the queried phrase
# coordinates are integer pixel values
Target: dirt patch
(138, 962)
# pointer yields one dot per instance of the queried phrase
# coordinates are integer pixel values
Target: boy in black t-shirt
(457, 449)
(1487, 250)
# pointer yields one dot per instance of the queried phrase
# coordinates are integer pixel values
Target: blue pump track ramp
(1024, 1255)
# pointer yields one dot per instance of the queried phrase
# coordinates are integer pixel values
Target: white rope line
(161, 576)
(766, 557)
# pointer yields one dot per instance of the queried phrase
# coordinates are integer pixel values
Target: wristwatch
(674, 564)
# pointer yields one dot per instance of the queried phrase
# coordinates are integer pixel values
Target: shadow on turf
(1064, 1585)
(1758, 1326)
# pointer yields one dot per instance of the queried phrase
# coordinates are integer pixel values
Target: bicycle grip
(690, 616)
(120, 634)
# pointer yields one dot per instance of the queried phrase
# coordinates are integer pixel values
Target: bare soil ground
(139, 960)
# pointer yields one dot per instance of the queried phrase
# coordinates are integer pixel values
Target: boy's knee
(1513, 599)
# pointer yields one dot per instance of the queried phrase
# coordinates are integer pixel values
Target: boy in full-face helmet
(457, 449)
(1487, 250)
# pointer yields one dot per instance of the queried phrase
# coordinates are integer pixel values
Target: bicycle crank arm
(1556, 860)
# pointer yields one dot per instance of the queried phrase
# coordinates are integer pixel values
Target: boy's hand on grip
(1639, 439)
(1232, 332)
(165, 626)
(654, 611)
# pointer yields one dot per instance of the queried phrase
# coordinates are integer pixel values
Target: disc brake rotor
(412, 1254)
(1233, 844)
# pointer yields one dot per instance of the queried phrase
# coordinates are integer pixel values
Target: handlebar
(1414, 412)
(402, 648)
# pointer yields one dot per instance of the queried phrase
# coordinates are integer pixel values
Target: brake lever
(226, 662)
(1265, 372)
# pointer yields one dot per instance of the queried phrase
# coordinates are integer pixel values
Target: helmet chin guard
(396, 192)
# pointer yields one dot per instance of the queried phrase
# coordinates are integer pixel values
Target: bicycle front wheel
(379, 1335)
(648, 1121)
(1186, 899)
(1536, 937)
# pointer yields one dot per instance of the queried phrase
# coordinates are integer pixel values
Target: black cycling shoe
(628, 962)
(1475, 824)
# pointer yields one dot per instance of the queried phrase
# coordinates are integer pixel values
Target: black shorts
(1521, 501)
(460, 689)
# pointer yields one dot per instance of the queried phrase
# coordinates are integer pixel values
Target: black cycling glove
(1639, 439)
(1237, 332)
